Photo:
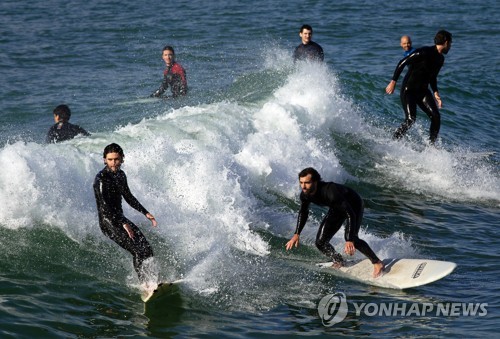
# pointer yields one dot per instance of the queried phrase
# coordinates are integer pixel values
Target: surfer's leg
(363, 247)
(329, 226)
(138, 247)
(410, 108)
(428, 105)
(359, 244)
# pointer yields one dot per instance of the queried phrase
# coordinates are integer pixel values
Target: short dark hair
(63, 112)
(441, 37)
(315, 176)
(113, 148)
(168, 48)
(309, 28)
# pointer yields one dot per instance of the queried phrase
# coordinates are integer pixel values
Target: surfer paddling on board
(344, 205)
(110, 185)
(424, 66)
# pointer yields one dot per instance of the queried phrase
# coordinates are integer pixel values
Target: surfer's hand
(438, 100)
(152, 219)
(390, 88)
(292, 242)
(349, 248)
(129, 230)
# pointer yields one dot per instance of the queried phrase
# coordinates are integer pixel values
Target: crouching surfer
(344, 204)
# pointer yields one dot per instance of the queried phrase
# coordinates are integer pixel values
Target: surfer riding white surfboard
(344, 205)
(110, 186)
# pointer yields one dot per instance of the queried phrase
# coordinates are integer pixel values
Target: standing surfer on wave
(110, 185)
(425, 64)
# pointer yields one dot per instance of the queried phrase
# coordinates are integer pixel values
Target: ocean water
(219, 167)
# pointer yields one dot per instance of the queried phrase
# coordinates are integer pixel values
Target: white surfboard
(164, 289)
(397, 274)
(137, 101)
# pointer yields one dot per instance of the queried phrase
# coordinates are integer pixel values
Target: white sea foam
(202, 170)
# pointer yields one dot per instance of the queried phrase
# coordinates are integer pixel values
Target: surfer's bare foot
(148, 286)
(337, 264)
(378, 268)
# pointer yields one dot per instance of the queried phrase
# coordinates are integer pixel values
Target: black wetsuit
(344, 204)
(62, 131)
(405, 79)
(311, 51)
(109, 188)
(425, 64)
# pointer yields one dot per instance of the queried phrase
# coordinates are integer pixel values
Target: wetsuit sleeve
(50, 136)
(296, 54)
(302, 217)
(163, 86)
(83, 131)
(350, 227)
(321, 54)
(164, 83)
(103, 208)
(129, 197)
(410, 59)
(179, 80)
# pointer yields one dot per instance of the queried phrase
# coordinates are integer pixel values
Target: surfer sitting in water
(110, 185)
(62, 130)
(406, 45)
(308, 49)
(344, 204)
(173, 76)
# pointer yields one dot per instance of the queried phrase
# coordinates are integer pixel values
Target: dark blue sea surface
(218, 168)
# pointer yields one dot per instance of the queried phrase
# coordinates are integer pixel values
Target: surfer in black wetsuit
(425, 64)
(62, 130)
(110, 185)
(308, 49)
(344, 204)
